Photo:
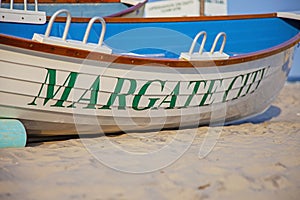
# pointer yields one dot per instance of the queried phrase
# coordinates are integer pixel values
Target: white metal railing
(88, 30)
(211, 55)
(67, 26)
(22, 16)
(212, 50)
(195, 41)
(46, 38)
(11, 5)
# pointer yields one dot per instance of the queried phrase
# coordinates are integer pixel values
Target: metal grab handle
(11, 4)
(35, 5)
(216, 41)
(195, 41)
(88, 29)
(67, 26)
(25, 5)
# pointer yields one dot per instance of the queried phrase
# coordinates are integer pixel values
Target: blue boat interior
(169, 39)
(76, 9)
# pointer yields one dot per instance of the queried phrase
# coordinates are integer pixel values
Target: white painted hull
(167, 101)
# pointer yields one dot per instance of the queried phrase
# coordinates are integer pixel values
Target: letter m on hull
(50, 84)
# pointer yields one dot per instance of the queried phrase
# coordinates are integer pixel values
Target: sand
(257, 159)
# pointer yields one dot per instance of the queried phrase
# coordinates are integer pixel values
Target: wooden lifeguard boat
(141, 74)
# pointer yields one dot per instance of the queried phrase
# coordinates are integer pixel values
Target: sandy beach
(256, 159)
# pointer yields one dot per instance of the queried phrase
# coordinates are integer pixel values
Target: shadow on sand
(270, 113)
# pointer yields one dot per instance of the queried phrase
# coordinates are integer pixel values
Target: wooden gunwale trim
(84, 54)
(188, 19)
(170, 19)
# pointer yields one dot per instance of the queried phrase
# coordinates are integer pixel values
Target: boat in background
(126, 74)
(184, 8)
(36, 11)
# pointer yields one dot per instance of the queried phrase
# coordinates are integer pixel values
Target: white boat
(59, 79)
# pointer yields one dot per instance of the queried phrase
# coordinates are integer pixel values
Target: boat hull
(53, 94)
(139, 79)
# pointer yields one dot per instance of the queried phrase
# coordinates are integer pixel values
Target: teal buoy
(12, 133)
